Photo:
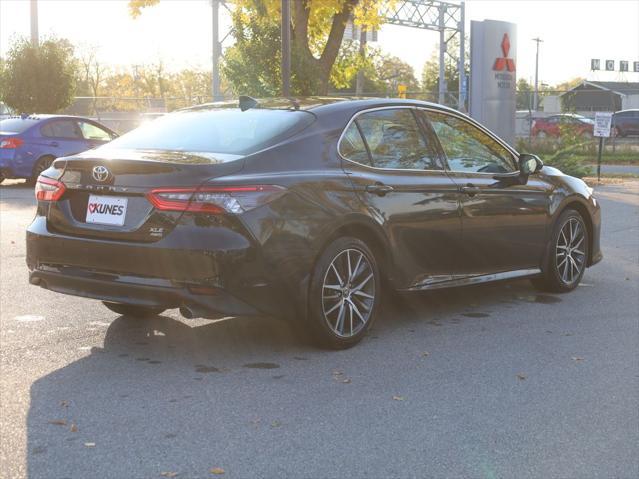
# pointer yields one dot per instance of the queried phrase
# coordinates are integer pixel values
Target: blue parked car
(29, 144)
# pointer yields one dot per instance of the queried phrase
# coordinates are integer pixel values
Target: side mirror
(529, 164)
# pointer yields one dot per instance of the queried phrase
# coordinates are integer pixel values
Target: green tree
(382, 72)
(524, 95)
(39, 78)
(430, 73)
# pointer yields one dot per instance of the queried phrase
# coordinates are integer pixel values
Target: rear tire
(132, 310)
(567, 255)
(344, 294)
(41, 165)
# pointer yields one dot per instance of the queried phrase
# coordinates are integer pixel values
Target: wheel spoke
(339, 324)
(365, 295)
(335, 287)
(337, 305)
(363, 283)
(355, 271)
(348, 261)
(350, 309)
(339, 278)
(357, 312)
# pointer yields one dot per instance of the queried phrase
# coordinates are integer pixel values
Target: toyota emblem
(100, 173)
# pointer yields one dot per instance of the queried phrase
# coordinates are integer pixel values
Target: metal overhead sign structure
(447, 18)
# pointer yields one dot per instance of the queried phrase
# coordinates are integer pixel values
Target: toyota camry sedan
(306, 210)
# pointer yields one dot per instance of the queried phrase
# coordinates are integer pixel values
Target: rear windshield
(16, 125)
(215, 130)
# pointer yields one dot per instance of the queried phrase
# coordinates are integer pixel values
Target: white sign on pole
(603, 120)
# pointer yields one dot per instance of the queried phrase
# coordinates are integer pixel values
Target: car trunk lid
(106, 190)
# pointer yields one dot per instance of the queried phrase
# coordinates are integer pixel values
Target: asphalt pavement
(491, 381)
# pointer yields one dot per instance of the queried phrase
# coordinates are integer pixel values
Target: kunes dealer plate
(106, 210)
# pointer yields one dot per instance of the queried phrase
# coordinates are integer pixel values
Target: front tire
(567, 254)
(344, 294)
(132, 310)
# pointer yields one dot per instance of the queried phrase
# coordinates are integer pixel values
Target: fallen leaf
(74, 428)
(425, 354)
(577, 358)
(521, 377)
(58, 422)
(64, 403)
(346, 381)
(89, 444)
(398, 398)
(276, 423)
(168, 474)
(217, 470)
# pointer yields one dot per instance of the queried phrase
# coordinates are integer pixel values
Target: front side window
(395, 140)
(93, 132)
(467, 148)
(62, 129)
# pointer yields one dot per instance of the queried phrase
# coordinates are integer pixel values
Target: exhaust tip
(187, 312)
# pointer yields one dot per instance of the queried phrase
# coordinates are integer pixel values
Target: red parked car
(553, 125)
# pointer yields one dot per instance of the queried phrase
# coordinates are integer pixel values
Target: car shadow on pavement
(134, 406)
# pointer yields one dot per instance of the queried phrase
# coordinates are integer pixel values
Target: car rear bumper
(175, 272)
(139, 291)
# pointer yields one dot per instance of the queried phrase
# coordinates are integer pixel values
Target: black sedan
(304, 209)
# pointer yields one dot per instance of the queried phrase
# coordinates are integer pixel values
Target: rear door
(503, 221)
(397, 172)
(62, 137)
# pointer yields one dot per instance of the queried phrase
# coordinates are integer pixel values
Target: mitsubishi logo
(505, 63)
(100, 173)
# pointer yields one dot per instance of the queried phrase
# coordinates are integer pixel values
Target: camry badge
(100, 173)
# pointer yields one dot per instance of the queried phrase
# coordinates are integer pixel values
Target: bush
(38, 78)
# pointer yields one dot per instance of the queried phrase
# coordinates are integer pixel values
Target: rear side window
(62, 129)
(16, 125)
(94, 132)
(352, 146)
(219, 130)
(395, 140)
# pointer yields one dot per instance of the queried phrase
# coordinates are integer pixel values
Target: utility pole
(216, 51)
(34, 23)
(442, 55)
(461, 101)
(359, 84)
(286, 48)
(536, 96)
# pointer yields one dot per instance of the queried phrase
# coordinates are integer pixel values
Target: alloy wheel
(570, 253)
(348, 293)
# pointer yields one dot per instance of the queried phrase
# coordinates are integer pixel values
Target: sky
(179, 33)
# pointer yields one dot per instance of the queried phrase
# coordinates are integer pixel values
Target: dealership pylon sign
(493, 66)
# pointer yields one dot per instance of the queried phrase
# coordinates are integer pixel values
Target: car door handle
(379, 189)
(469, 189)
(54, 143)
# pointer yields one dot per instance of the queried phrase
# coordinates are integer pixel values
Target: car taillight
(10, 143)
(47, 189)
(214, 200)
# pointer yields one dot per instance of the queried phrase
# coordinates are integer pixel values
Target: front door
(503, 221)
(397, 172)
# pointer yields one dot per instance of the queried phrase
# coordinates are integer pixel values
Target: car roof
(47, 116)
(318, 104)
